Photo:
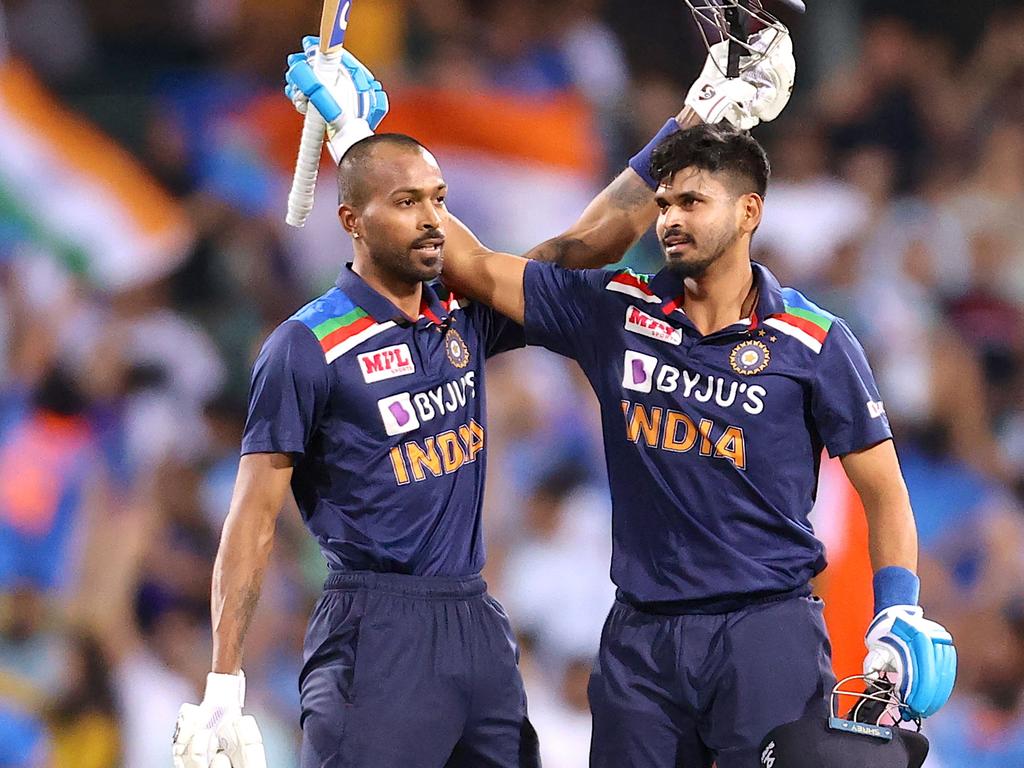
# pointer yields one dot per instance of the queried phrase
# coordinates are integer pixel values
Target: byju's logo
(638, 373)
(398, 414)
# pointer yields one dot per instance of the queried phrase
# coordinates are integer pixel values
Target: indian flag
(520, 168)
(69, 190)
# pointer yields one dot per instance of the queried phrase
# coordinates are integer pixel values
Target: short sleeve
(561, 306)
(846, 406)
(288, 393)
(499, 334)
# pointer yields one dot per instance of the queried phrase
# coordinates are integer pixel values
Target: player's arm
(491, 277)
(614, 220)
(216, 730)
(260, 489)
(892, 534)
(918, 652)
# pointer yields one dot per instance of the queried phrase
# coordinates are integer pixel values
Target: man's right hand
(216, 734)
(352, 106)
(761, 91)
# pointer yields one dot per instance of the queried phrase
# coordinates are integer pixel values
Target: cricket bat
(333, 25)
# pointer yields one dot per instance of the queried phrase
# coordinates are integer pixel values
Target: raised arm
(611, 223)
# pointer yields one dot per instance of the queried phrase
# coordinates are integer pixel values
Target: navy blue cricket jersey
(712, 442)
(386, 420)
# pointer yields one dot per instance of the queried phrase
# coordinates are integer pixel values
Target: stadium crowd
(895, 203)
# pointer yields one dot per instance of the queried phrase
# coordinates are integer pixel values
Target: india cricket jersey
(712, 442)
(385, 418)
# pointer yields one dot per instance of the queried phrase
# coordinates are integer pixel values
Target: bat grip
(736, 32)
(307, 165)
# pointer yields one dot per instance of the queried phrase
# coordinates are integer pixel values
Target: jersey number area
(675, 432)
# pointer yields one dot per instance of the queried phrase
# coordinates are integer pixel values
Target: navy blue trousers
(686, 691)
(412, 672)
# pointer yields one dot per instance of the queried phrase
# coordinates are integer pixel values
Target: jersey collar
(668, 287)
(380, 308)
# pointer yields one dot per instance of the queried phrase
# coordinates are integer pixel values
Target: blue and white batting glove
(916, 654)
(352, 106)
(761, 91)
(215, 734)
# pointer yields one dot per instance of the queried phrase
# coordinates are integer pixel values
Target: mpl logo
(386, 363)
(638, 371)
(876, 409)
(398, 414)
(651, 327)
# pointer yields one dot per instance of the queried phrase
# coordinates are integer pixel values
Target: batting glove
(216, 734)
(352, 106)
(914, 653)
(761, 91)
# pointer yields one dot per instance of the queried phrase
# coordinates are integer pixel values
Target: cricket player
(719, 389)
(368, 404)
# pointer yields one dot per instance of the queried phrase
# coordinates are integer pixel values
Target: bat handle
(307, 165)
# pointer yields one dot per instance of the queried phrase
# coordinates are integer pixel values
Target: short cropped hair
(715, 148)
(353, 189)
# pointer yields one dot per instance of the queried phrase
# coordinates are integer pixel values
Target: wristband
(895, 586)
(641, 161)
(225, 690)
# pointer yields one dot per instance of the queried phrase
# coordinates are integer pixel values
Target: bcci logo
(456, 349)
(749, 358)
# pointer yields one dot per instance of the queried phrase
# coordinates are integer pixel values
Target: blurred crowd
(895, 202)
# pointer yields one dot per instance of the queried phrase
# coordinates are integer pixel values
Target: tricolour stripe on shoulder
(803, 320)
(338, 324)
(799, 305)
(334, 303)
(630, 283)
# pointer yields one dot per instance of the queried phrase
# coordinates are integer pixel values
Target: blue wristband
(895, 586)
(641, 161)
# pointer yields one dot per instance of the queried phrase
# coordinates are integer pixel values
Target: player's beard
(407, 264)
(705, 252)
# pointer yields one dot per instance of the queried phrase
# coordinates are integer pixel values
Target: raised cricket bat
(333, 24)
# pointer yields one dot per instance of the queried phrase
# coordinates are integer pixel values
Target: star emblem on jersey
(749, 358)
(456, 349)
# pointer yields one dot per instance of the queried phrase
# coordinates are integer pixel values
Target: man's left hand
(916, 654)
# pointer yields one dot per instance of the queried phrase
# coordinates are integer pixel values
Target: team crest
(456, 349)
(749, 358)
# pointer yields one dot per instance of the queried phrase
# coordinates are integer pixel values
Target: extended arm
(245, 544)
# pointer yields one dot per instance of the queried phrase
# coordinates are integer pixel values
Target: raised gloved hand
(352, 106)
(761, 91)
(914, 653)
(216, 734)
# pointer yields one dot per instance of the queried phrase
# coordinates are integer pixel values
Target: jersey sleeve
(561, 306)
(288, 393)
(499, 334)
(846, 406)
